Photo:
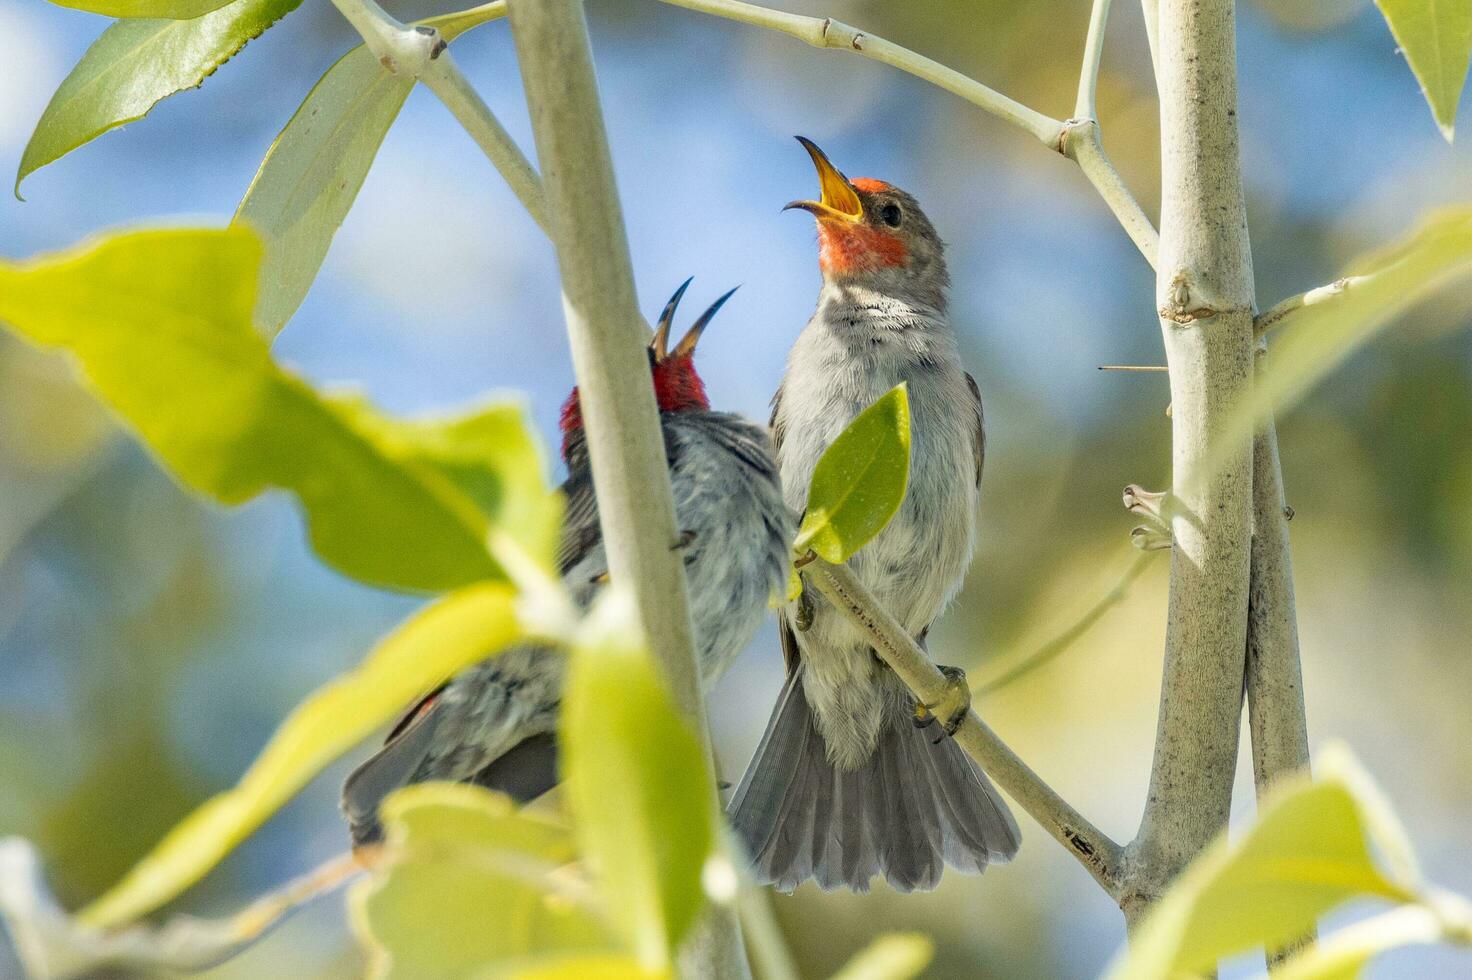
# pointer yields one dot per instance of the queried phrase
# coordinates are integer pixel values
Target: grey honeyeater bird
(495, 723)
(849, 782)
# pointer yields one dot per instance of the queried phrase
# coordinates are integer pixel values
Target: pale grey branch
(608, 339)
(1099, 855)
(1204, 292)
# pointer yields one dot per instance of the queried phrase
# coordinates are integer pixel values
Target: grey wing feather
(580, 528)
(390, 767)
(776, 423)
(979, 438)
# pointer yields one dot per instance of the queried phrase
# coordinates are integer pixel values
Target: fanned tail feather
(912, 809)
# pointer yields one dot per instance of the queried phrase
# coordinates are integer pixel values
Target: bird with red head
(495, 723)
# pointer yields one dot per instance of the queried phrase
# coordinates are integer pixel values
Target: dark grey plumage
(495, 723)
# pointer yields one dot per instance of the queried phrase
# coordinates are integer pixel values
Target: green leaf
(1344, 955)
(170, 9)
(1436, 36)
(461, 629)
(638, 782)
(160, 321)
(469, 882)
(593, 967)
(136, 64)
(1340, 319)
(1309, 852)
(894, 956)
(860, 480)
(315, 168)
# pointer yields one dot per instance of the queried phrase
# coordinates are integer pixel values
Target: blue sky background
(149, 643)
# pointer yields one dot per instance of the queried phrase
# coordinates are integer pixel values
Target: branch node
(837, 34)
(1067, 143)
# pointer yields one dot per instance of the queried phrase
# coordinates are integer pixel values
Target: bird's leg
(1155, 533)
(804, 618)
(951, 708)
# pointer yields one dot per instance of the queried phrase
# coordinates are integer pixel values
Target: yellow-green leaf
(893, 956)
(593, 967)
(161, 322)
(315, 168)
(469, 886)
(1339, 319)
(859, 481)
(136, 64)
(1309, 852)
(1343, 955)
(1436, 36)
(166, 9)
(642, 796)
(444, 638)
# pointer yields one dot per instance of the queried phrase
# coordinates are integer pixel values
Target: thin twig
(445, 80)
(1086, 107)
(1099, 855)
(1134, 367)
(825, 32)
(1082, 142)
(420, 52)
(1057, 645)
(1282, 311)
(1077, 139)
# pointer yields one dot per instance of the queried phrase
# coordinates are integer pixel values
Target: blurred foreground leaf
(1337, 320)
(167, 9)
(1309, 852)
(315, 168)
(641, 793)
(895, 956)
(52, 945)
(161, 322)
(444, 638)
(1345, 954)
(859, 481)
(469, 883)
(136, 64)
(1436, 36)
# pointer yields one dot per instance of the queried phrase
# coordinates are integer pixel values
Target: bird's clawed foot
(951, 708)
(1155, 533)
(687, 538)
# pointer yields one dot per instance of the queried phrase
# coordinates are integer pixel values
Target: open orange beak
(838, 200)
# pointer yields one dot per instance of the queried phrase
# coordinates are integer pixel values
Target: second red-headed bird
(844, 786)
(495, 724)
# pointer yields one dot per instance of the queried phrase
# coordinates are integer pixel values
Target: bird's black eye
(891, 215)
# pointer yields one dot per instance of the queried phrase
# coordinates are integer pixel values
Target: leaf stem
(1099, 855)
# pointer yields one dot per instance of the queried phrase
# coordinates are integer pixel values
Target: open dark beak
(659, 345)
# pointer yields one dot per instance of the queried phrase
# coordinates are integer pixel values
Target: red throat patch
(845, 247)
